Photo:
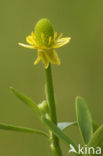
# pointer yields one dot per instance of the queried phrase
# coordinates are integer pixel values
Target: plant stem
(52, 110)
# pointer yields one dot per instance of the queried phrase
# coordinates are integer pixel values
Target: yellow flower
(45, 40)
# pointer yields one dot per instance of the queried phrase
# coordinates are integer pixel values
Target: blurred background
(81, 71)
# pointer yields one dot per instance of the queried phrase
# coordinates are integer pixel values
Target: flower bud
(44, 107)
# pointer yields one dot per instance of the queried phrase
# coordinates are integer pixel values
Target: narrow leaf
(58, 132)
(26, 100)
(95, 126)
(84, 119)
(97, 141)
(4, 126)
(64, 125)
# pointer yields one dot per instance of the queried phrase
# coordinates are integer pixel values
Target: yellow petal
(38, 59)
(61, 42)
(55, 35)
(60, 36)
(31, 40)
(32, 34)
(52, 57)
(42, 37)
(50, 40)
(43, 58)
(27, 46)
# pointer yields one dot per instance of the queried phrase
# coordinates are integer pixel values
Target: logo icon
(72, 149)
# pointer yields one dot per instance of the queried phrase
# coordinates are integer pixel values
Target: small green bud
(44, 107)
(44, 31)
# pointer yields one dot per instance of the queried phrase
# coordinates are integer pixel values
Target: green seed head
(43, 31)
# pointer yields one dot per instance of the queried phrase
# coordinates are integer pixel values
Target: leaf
(4, 126)
(84, 119)
(26, 100)
(64, 125)
(58, 132)
(95, 126)
(97, 141)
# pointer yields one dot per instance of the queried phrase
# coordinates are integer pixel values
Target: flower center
(44, 32)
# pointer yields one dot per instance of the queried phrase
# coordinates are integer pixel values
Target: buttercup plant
(46, 40)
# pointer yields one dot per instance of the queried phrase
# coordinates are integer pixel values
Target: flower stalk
(52, 111)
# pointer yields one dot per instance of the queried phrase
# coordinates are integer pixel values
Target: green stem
(52, 110)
